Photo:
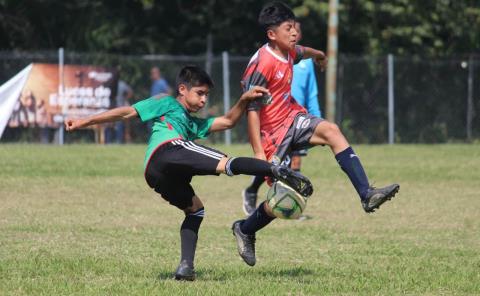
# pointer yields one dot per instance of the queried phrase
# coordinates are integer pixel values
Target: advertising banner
(42, 102)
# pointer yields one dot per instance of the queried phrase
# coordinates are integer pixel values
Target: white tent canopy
(9, 94)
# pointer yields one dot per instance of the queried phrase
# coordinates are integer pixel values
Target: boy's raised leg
(257, 167)
(327, 133)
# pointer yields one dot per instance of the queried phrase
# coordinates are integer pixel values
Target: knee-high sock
(256, 221)
(351, 165)
(256, 183)
(189, 235)
(248, 166)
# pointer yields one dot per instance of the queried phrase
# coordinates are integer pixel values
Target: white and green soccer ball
(285, 202)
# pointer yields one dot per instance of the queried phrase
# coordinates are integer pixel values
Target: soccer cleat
(294, 179)
(185, 272)
(377, 196)
(249, 202)
(245, 243)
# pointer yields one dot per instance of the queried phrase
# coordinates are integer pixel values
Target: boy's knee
(193, 220)
(330, 130)
(222, 164)
(196, 205)
(333, 128)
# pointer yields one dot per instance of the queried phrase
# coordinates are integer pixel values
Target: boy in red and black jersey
(277, 124)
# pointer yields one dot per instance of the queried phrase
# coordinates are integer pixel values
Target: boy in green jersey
(172, 158)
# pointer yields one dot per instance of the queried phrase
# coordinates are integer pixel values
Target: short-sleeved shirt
(274, 72)
(159, 86)
(170, 121)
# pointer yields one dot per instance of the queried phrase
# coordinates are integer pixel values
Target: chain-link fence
(431, 99)
(431, 96)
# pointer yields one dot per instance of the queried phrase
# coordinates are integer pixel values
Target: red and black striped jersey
(268, 69)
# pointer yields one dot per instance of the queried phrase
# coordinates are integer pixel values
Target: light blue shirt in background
(159, 86)
(304, 86)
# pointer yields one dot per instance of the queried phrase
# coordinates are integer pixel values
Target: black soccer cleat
(249, 201)
(185, 272)
(245, 244)
(294, 179)
(377, 196)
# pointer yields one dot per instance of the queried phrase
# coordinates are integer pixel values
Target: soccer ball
(285, 202)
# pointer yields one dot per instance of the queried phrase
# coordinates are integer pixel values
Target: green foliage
(402, 27)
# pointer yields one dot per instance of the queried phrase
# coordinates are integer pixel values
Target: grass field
(80, 220)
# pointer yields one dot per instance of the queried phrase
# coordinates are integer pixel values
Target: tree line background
(373, 27)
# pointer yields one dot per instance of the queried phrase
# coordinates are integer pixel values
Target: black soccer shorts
(297, 138)
(172, 166)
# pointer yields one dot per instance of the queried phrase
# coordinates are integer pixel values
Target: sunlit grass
(81, 220)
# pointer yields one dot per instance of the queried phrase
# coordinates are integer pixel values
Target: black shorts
(297, 138)
(172, 166)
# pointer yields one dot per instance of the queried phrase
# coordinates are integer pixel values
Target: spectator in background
(159, 84)
(305, 92)
(304, 82)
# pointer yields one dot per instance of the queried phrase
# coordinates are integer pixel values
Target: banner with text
(43, 103)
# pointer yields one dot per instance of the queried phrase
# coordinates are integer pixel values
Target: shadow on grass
(228, 274)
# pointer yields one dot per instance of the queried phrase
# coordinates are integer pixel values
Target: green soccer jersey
(170, 121)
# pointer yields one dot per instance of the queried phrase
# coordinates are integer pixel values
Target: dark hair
(193, 76)
(273, 14)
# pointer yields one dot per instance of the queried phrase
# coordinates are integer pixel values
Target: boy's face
(284, 35)
(194, 98)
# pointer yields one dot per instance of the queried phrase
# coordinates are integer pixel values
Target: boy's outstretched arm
(229, 120)
(318, 56)
(116, 114)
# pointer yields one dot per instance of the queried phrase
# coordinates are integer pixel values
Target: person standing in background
(159, 84)
(305, 92)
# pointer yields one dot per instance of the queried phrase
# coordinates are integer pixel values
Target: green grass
(80, 220)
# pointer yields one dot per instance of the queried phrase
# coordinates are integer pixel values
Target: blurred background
(426, 52)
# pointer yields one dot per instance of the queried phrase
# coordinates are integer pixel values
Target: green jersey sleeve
(203, 126)
(151, 108)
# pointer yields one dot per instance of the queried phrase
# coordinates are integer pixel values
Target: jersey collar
(281, 59)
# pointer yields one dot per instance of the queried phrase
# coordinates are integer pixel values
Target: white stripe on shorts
(195, 146)
(198, 149)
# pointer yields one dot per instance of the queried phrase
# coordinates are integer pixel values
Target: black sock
(248, 166)
(256, 221)
(189, 235)
(256, 183)
(351, 165)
